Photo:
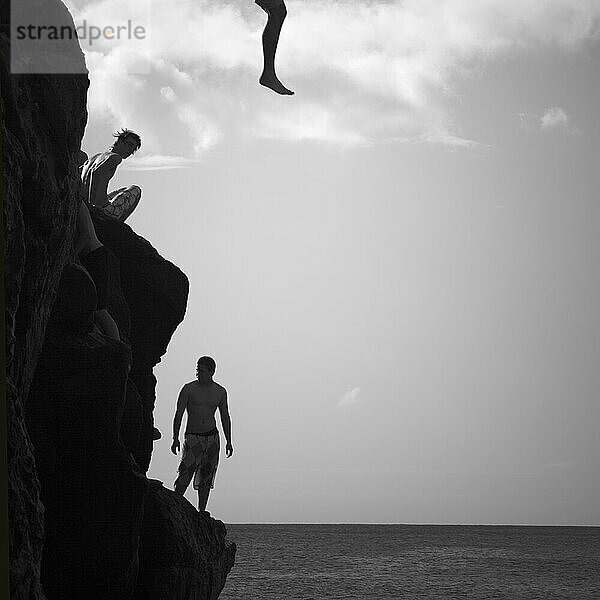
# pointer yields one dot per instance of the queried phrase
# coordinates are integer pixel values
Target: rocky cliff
(43, 119)
(84, 519)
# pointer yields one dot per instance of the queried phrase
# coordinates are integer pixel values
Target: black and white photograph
(302, 299)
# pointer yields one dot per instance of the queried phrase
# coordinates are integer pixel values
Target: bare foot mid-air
(276, 12)
(273, 83)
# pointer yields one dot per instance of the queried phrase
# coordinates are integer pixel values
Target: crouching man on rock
(201, 447)
(98, 170)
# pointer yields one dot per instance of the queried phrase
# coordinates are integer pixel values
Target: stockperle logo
(47, 38)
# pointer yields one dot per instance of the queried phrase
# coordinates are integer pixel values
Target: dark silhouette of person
(100, 168)
(276, 12)
(95, 257)
(201, 447)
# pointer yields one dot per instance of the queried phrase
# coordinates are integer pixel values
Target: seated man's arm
(226, 422)
(99, 179)
(182, 401)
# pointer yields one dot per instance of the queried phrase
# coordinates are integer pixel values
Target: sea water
(390, 562)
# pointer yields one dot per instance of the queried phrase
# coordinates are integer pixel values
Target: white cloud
(155, 162)
(307, 121)
(350, 398)
(451, 140)
(168, 94)
(557, 118)
(552, 119)
(363, 72)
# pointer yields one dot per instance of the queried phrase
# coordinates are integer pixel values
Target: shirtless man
(201, 447)
(98, 170)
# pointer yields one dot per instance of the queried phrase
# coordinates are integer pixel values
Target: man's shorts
(200, 459)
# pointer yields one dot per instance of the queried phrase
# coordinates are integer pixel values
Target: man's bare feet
(273, 83)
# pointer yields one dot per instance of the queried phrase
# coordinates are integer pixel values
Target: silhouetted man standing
(201, 447)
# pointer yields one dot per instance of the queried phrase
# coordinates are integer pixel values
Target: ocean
(391, 562)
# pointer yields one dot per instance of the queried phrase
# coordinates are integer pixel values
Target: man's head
(127, 143)
(205, 369)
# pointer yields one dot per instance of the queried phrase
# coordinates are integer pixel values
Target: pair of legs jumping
(276, 12)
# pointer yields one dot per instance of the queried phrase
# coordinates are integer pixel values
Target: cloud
(155, 162)
(168, 94)
(557, 118)
(451, 140)
(552, 119)
(351, 397)
(364, 71)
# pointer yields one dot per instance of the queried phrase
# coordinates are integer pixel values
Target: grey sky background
(395, 269)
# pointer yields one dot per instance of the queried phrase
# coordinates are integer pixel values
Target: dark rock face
(156, 292)
(91, 488)
(43, 119)
(25, 510)
(79, 404)
(183, 554)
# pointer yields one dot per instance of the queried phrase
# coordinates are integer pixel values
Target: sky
(394, 268)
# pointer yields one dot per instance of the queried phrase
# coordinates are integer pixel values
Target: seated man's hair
(127, 133)
(208, 362)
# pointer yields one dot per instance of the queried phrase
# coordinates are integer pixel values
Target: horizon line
(407, 524)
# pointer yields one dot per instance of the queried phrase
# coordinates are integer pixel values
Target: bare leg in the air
(276, 12)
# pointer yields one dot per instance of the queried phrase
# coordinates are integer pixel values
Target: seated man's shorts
(200, 459)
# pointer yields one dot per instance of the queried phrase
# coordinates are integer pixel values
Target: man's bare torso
(103, 161)
(202, 403)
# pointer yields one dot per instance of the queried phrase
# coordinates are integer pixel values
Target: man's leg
(183, 480)
(186, 470)
(204, 478)
(203, 493)
(122, 202)
(276, 12)
(180, 487)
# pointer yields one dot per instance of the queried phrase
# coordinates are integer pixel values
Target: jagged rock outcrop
(156, 293)
(101, 525)
(183, 553)
(79, 403)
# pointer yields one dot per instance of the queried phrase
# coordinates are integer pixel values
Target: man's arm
(99, 179)
(226, 422)
(182, 401)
